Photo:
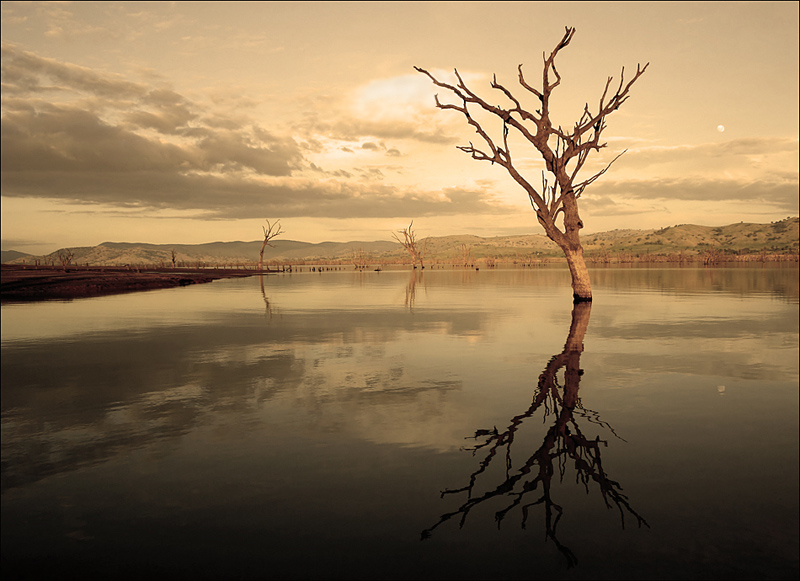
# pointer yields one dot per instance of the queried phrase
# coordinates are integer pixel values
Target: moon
(720, 128)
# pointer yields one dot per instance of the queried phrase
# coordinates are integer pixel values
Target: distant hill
(781, 236)
(9, 255)
(122, 253)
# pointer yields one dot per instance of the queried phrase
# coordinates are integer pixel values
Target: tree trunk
(581, 286)
(261, 256)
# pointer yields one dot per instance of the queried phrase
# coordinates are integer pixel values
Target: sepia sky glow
(194, 122)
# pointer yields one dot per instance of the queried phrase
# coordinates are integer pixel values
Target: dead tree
(409, 242)
(360, 259)
(466, 258)
(564, 151)
(270, 231)
(65, 256)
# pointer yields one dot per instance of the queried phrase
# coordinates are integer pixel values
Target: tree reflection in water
(563, 444)
(267, 304)
(411, 288)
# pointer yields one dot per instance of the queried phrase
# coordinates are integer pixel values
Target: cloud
(77, 135)
(172, 113)
(57, 138)
(604, 205)
(25, 72)
(353, 128)
(731, 151)
(64, 139)
(235, 196)
(759, 171)
(387, 151)
(66, 130)
(102, 123)
(781, 191)
(392, 108)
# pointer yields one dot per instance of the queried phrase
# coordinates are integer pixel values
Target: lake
(442, 424)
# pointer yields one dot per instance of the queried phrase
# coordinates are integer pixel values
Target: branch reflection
(563, 444)
(267, 304)
(411, 288)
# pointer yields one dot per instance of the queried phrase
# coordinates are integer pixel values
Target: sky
(194, 122)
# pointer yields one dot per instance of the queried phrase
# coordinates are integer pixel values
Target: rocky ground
(39, 283)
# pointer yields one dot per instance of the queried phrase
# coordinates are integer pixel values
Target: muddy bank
(20, 284)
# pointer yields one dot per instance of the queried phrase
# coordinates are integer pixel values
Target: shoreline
(22, 284)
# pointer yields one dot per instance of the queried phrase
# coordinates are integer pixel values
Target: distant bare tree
(711, 256)
(559, 193)
(412, 246)
(65, 256)
(174, 257)
(270, 231)
(360, 259)
(466, 258)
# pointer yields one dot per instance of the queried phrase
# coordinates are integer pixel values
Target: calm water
(445, 424)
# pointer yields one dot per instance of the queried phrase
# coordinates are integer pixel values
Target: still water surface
(400, 425)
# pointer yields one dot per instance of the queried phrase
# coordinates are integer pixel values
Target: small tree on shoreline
(360, 259)
(409, 242)
(558, 195)
(65, 256)
(270, 231)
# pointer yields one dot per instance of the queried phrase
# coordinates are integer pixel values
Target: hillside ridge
(690, 239)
